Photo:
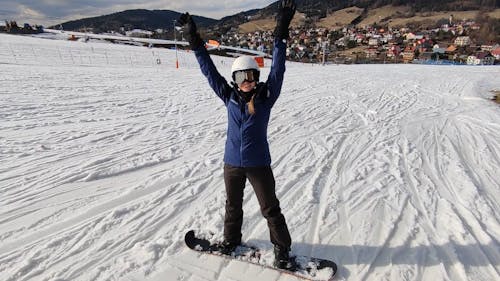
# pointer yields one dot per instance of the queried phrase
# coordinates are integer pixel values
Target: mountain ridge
(312, 9)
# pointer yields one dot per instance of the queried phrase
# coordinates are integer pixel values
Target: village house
(410, 36)
(372, 52)
(472, 60)
(387, 37)
(462, 41)
(373, 41)
(451, 49)
(487, 48)
(451, 52)
(408, 54)
(483, 58)
(359, 38)
(496, 53)
(475, 26)
(307, 44)
(394, 51)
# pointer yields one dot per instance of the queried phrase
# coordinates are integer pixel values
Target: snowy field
(107, 158)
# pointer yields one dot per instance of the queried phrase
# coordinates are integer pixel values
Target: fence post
(34, 54)
(60, 56)
(71, 55)
(13, 54)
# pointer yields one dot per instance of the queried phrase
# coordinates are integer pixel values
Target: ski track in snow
(107, 159)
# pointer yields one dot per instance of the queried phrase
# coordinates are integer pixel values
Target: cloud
(49, 12)
(28, 12)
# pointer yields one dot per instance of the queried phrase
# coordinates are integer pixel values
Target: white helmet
(244, 63)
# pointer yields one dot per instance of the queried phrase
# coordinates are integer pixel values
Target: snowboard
(307, 268)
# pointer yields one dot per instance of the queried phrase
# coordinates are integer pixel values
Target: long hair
(251, 106)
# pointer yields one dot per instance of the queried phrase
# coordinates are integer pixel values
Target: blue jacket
(246, 143)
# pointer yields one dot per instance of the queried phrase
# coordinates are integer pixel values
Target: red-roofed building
(408, 54)
(496, 53)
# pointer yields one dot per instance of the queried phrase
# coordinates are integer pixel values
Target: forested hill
(323, 7)
(131, 19)
(154, 19)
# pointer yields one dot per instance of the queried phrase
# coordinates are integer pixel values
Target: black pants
(262, 180)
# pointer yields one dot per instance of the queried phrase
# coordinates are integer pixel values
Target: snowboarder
(249, 102)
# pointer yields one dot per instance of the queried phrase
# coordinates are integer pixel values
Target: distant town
(450, 42)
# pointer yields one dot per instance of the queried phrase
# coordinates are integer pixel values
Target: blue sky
(49, 12)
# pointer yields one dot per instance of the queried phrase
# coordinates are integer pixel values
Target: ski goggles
(250, 75)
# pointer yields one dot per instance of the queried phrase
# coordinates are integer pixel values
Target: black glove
(286, 10)
(192, 36)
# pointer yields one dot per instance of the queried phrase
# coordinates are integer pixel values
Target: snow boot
(226, 247)
(282, 258)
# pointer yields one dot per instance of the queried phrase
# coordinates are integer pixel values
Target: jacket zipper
(241, 133)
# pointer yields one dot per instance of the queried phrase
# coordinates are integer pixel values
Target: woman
(247, 155)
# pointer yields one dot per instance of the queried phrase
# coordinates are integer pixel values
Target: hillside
(328, 13)
(132, 19)
(396, 16)
(322, 8)
(269, 23)
(427, 18)
(391, 16)
(336, 14)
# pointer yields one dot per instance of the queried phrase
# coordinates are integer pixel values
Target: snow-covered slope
(105, 163)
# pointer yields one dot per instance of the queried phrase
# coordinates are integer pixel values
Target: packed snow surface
(109, 155)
